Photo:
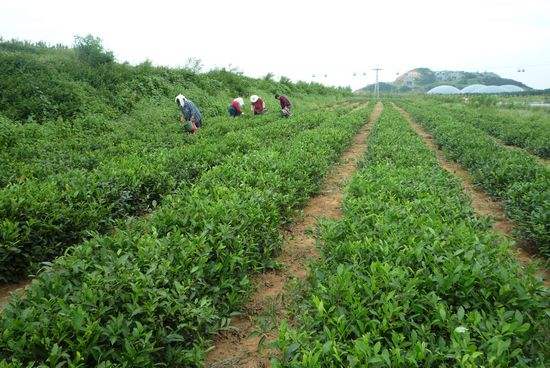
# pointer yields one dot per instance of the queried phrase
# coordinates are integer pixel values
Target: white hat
(254, 98)
(240, 101)
(180, 98)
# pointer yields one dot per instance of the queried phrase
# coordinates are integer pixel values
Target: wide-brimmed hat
(180, 98)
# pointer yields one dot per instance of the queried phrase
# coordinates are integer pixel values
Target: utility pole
(377, 85)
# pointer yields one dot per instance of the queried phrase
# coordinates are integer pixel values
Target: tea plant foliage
(155, 290)
(512, 176)
(410, 277)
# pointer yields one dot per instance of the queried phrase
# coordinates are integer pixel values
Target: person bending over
(190, 116)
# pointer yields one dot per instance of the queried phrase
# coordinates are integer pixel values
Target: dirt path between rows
(482, 203)
(239, 346)
(8, 289)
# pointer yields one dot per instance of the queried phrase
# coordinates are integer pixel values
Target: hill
(40, 82)
(423, 79)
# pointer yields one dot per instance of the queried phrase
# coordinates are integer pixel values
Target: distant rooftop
(443, 90)
(475, 88)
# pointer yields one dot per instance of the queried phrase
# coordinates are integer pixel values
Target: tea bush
(518, 179)
(153, 292)
(41, 218)
(68, 171)
(511, 127)
(409, 277)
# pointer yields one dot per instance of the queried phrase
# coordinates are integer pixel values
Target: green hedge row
(153, 292)
(36, 151)
(409, 277)
(513, 176)
(513, 128)
(39, 219)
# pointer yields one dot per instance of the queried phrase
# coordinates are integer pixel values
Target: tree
(90, 50)
(193, 64)
(285, 80)
(268, 77)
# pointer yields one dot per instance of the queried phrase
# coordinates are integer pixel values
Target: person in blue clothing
(190, 117)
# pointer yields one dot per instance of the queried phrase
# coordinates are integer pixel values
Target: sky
(304, 40)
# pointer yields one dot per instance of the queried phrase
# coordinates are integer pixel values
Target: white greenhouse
(476, 88)
(491, 90)
(473, 88)
(444, 90)
(510, 88)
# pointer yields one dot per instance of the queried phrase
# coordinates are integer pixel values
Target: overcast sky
(300, 39)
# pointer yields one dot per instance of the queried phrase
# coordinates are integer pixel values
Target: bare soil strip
(7, 290)
(482, 203)
(239, 346)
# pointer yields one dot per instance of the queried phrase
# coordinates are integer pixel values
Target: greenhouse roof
(444, 90)
(473, 88)
(492, 89)
(511, 88)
